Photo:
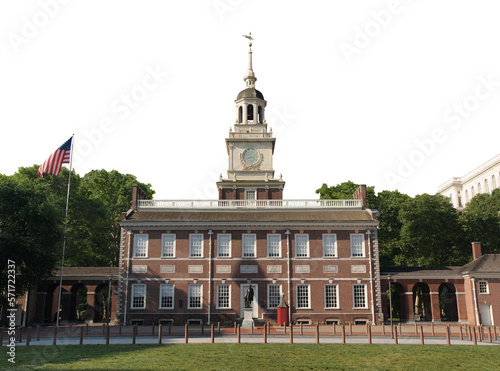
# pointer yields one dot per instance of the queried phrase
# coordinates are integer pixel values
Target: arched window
(249, 112)
(479, 189)
(240, 114)
(260, 118)
(472, 192)
(466, 197)
(493, 182)
(486, 186)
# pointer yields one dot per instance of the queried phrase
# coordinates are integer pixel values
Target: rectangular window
(249, 245)
(331, 296)
(166, 296)
(140, 245)
(357, 245)
(483, 287)
(224, 245)
(302, 245)
(223, 296)
(194, 296)
(303, 299)
(359, 296)
(138, 296)
(273, 245)
(329, 245)
(195, 245)
(250, 194)
(273, 296)
(168, 245)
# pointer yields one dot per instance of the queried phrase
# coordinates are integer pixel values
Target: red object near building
(283, 314)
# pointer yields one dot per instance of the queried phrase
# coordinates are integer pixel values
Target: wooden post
(495, 332)
(251, 328)
(202, 328)
(284, 326)
(265, 333)
(268, 328)
(81, 335)
(343, 334)
(396, 334)
(170, 327)
(28, 336)
(447, 329)
(186, 330)
(461, 333)
(469, 331)
(421, 335)
(301, 328)
(238, 334)
(160, 333)
(103, 328)
(134, 333)
(317, 333)
(107, 335)
(366, 328)
(474, 340)
(153, 329)
(369, 330)
(334, 329)
(433, 331)
(218, 327)
(120, 330)
(383, 328)
(20, 334)
(212, 335)
(350, 328)
(70, 328)
(235, 327)
(291, 333)
(87, 326)
(37, 333)
(400, 330)
(489, 334)
(416, 329)
(54, 342)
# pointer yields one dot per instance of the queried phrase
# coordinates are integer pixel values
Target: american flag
(54, 163)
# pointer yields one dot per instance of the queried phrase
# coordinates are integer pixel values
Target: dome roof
(250, 93)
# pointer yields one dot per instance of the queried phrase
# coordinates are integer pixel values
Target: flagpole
(65, 228)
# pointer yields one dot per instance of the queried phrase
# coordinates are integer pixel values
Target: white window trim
(132, 296)
(354, 298)
(308, 295)
(163, 237)
(230, 245)
(308, 255)
(173, 296)
(479, 287)
(136, 237)
(251, 190)
(218, 293)
(243, 237)
(336, 295)
(189, 296)
(191, 236)
(363, 245)
(270, 235)
(269, 291)
(335, 251)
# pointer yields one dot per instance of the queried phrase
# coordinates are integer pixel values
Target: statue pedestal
(247, 317)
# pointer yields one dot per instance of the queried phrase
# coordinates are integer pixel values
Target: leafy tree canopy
(345, 191)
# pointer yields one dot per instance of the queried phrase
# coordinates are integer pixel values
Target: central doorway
(243, 290)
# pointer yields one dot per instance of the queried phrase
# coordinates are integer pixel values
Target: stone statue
(249, 297)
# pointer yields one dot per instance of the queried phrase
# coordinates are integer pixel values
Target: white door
(255, 306)
(485, 310)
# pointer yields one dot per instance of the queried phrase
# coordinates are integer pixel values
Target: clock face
(250, 156)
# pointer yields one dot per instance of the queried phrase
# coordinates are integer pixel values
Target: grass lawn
(254, 357)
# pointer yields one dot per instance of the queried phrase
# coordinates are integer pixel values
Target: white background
(349, 115)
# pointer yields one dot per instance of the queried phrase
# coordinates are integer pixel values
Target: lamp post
(390, 305)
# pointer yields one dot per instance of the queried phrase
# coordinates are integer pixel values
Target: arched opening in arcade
(421, 302)
(448, 302)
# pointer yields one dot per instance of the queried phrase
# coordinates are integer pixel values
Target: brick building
(194, 261)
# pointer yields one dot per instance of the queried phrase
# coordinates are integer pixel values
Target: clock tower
(250, 147)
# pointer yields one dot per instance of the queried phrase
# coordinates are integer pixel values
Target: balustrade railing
(235, 204)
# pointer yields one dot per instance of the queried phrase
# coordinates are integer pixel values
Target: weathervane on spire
(249, 37)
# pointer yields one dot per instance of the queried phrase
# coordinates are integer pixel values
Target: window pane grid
(274, 245)
(302, 296)
(224, 245)
(168, 245)
(273, 295)
(301, 246)
(331, 297)
(141, 245)
(329, 245)
(166, 296)
(248, 245)
(357, 241)
(194, 296)
(223, 296)
(359, 292)
(483, 287)
(195, 245)
(138, 296)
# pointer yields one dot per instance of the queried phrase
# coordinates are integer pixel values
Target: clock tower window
(240, 114)
(249, 112)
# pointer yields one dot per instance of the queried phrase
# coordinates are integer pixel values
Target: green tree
(30, 232)
(481, 221)
(431, 234)
(114, 191)
(345, 191)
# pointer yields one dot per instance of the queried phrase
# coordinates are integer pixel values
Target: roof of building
(488, 263)
(250, 93)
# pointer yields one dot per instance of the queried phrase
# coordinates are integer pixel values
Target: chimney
(476, 250)
(137, 194)
(360, 194)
